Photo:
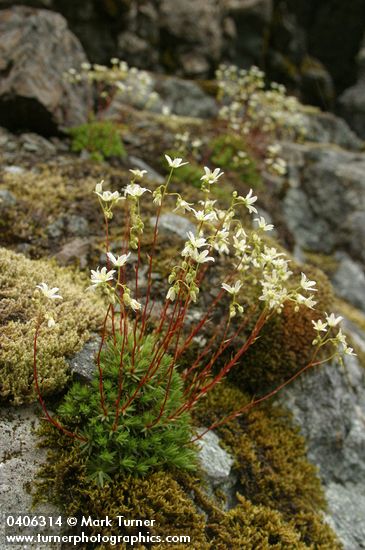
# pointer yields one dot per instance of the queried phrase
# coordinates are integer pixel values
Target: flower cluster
(248, 105)
(327, 327)
(134, 86)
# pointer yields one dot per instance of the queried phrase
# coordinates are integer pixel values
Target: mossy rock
(100, 138)
(278, 506)
(76, 314)
(225, 153)
(285, 342)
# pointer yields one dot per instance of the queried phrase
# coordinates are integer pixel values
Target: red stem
(39, 395)
(255, 402)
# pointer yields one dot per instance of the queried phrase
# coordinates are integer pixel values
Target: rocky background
(316, 49)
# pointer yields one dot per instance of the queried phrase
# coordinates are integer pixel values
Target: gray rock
(352, 100)
(349, 281)
(325, 204)
(36, 49)
(7, 199)
(83, 364)
(20, 459)
(142, 165)
(176, 224)
(186, 98)
(34, 143)
(327, 128)
(352, 103)
(250, 21)
(328, 404)
(217, 466)
(195, 34)
(14, 169)
(74, 251)
(68, 225)
(346, 514)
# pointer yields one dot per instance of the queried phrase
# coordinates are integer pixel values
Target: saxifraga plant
(131, 447)
(135, 416)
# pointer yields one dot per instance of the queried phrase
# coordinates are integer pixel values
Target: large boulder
(324, 208)
(192, 35)
(352, 101)
(36, 49)
(329, 406)
(326, 198)
(246, 27)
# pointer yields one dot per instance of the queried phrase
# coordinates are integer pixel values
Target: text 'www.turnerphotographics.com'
(28, 529)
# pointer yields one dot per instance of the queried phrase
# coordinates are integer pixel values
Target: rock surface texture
(324, 207)
(329, 406)
(20, 459)
(312, 47)
(36, 48)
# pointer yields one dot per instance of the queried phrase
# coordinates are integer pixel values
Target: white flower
(332, 320)
(320, 326)
(108, 196)
(202, 216)
(138, 173)
(135, 305)
(99, 187)
(51, 322)
(221, 242)
(263, 225)
(175, 163)
(248, 201)
(120, 261)
(232, 289)
(183, 205)
(274, 150)
(307, 301)
(196, 242)
(50, 293)
(135, 190)
(171, 295)
(101, 276)
(341, 337)
(211, 177)
(130, 302)
(201, 257)
(306, 284)
(348, 351)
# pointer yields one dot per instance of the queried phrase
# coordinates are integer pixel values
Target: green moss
(101, 139)
(285, 342)
(327, 263)
(274, 475)
(230, 152)
(278, 506)
(19, 305)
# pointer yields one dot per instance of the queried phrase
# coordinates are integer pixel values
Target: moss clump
(277, 508)
(273, 471)
(285, 342)
(230, 152)
(75, 316)
(101, 139)
(134, 444)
